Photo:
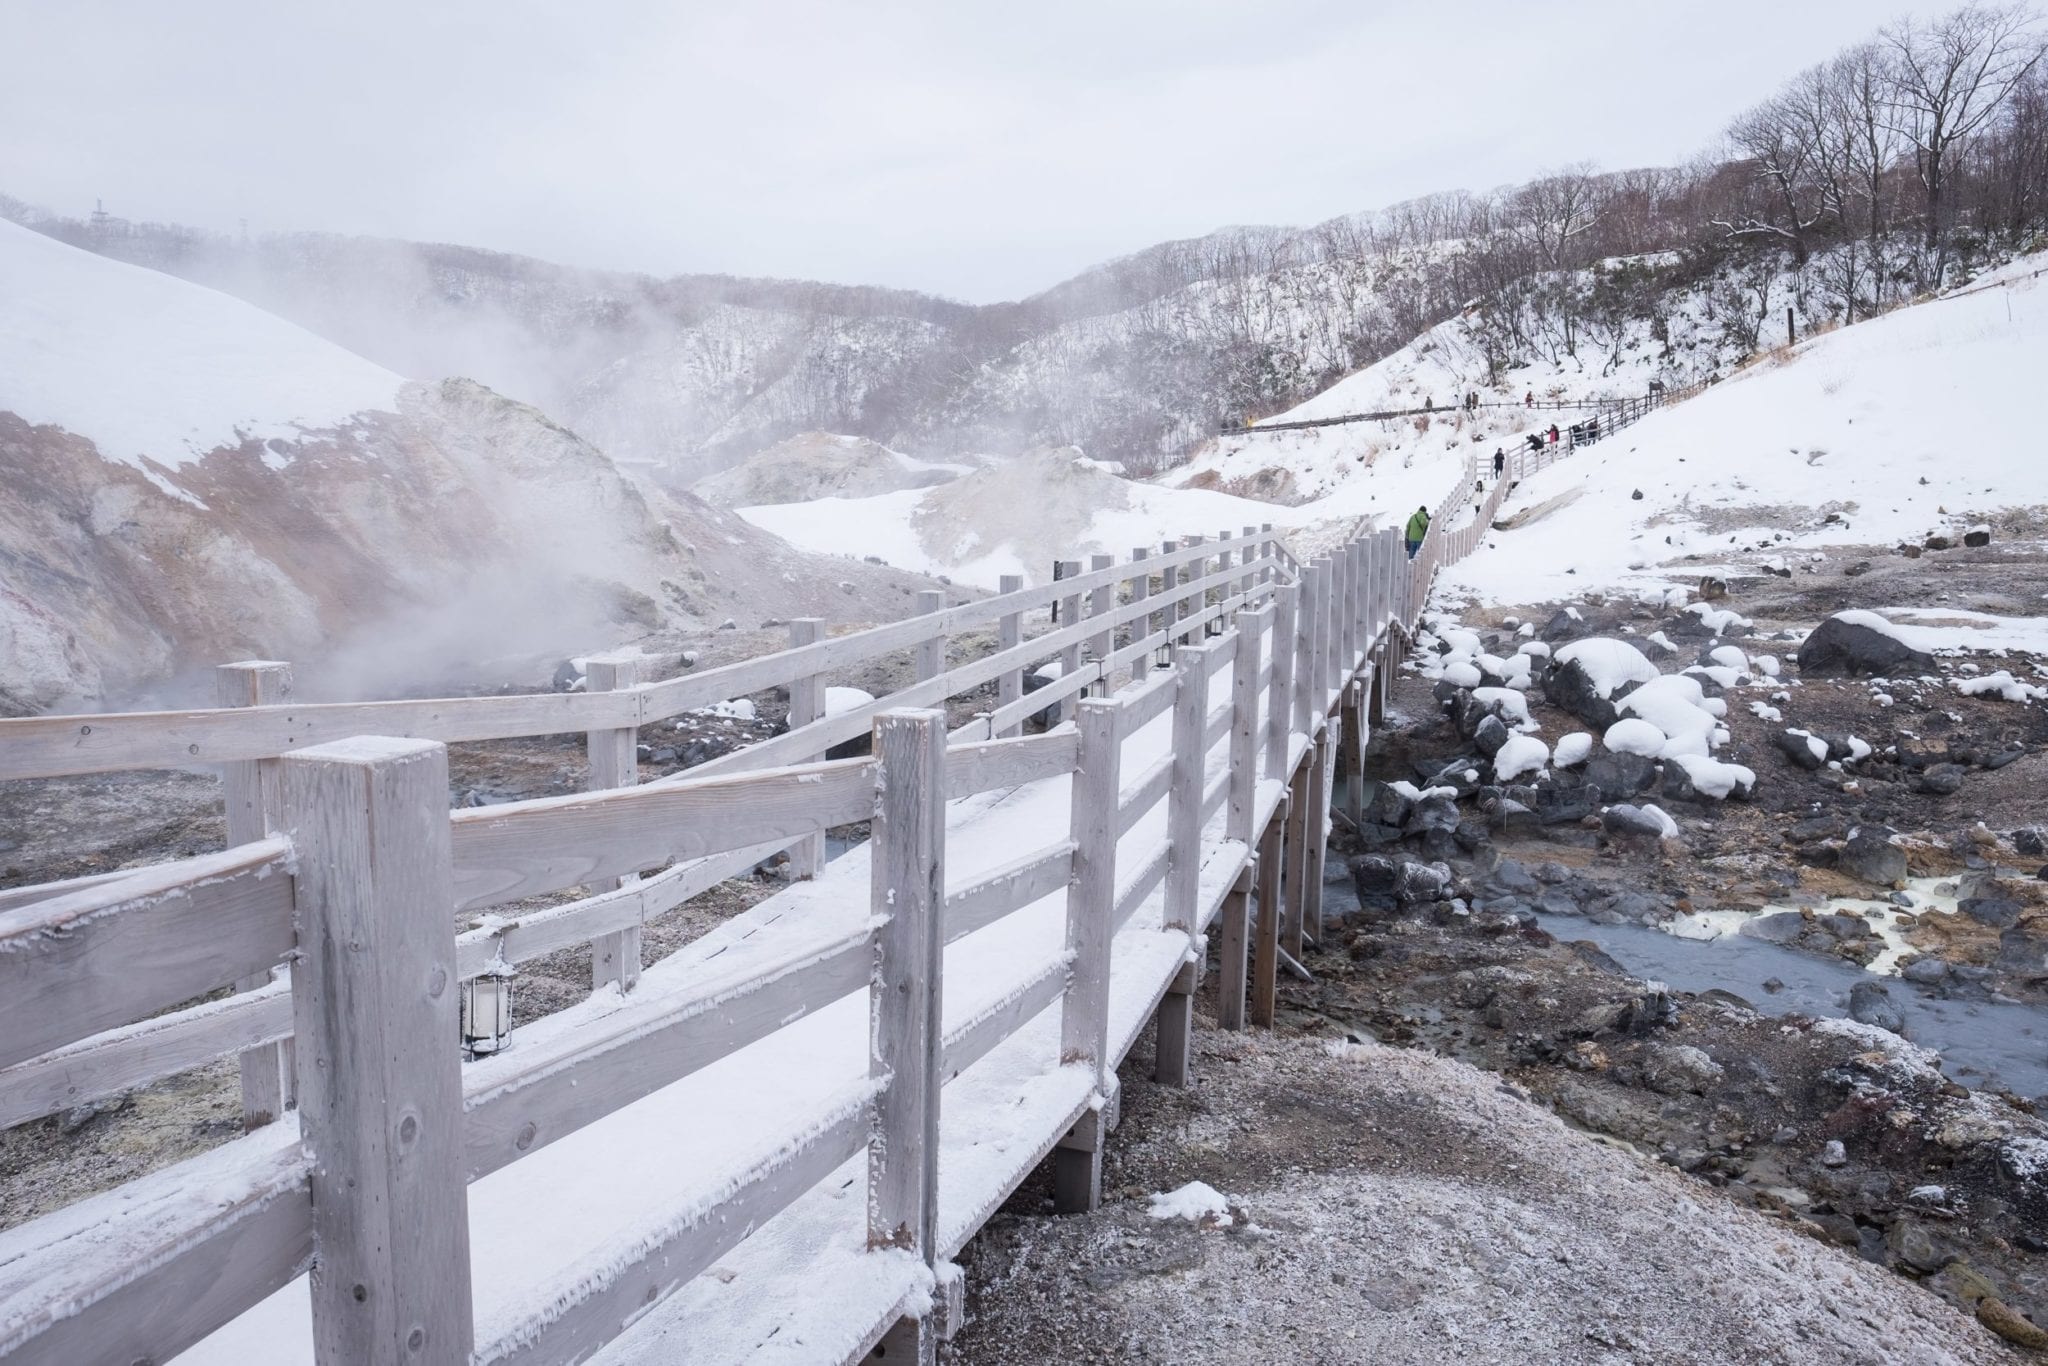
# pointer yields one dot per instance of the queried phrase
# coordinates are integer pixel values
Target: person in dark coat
(1418, 527)
(1500, 462)
(1536, 442)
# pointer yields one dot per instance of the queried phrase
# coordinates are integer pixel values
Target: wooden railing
(1195, 793)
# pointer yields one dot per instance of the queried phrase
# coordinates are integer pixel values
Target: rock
(1870, 1003)
(1637, 496)
(1632, 820)
(1796, 748)
(78, 1116)
(1417, 883)
(566, 675)
(1561, 626)
(1489, 736)
(1713, 589)
(1870, 855)
(2029, 842)
(1616, 776)
(1943, 780)
(1918, 1246)
(728, 625)
(1571, 690)
(1938, 542)
(1847, 648)
(1833, 1154)
(1924, 971)
(1386, 806)
(1511, 876)
(1995, 911)
(2009, 1324)
(2021, 952)
(1828, 826)
(1857, 569)
(1779, 927)
(1977, 537)
(1675, 1069)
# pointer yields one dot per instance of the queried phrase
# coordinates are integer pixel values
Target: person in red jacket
(1553, 433)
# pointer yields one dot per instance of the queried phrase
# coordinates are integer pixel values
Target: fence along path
(767, 1146)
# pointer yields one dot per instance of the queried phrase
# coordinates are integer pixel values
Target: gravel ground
(1392, 1206)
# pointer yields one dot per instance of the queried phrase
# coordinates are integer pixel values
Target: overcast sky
(978, 150)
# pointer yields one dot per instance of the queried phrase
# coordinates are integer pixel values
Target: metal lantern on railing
(487, 1012)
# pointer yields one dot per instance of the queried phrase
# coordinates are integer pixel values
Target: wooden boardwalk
(769, 1145)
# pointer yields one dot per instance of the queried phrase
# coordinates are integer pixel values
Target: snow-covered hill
(1917, 422)
(816, 465)
(190, 480)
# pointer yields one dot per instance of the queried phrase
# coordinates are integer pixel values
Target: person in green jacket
(1418, 527)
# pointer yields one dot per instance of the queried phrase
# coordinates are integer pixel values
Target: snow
(1633, 736)
(1729, 657)
(738, 709)
(1609, 665)
(1867, 421)
(838, 699)
(1521, 754)
(1712, 778)
(1509, 705)
(1196, 1202)
(1669, 827)
(1676, 706)
(2000, 684)
(1573, 749)
(147, 365)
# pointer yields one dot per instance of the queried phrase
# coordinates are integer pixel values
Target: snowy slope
(816, 465)
(1882, 425)
(143, 364)
(1013, 517)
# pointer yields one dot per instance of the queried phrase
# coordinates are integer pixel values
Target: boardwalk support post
(806, 704)
(1234, 949)
(380, 1087)
(1091, 903)
(614, 762)
(907, 888)
(1176, 1015)
(254, 794)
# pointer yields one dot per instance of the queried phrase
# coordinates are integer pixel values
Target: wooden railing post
(1193, 603)
(380, 1086)
(1141, 626)
(1101, 604)
(1176, 1016)
(614, 762)
(907, 890)
(807, 704)
(1010, 683)
(1091, 904)
(1253, 550)
(931, 652)
(1234, 950)
(253, 790)
(1070, 615)
(1280, 690)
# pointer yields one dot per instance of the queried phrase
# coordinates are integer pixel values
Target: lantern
(487, 1012)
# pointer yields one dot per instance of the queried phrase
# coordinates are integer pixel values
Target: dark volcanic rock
(1870, 855)
(1793, 745)
(1839, 647)
(1871, 1004)
(1490, 735)
(1943, 780)
(1996, 912)
(1631, 820)
(1978, 538)
(1571, 690)
(1617, 775)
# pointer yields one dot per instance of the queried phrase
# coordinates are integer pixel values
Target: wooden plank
(610, 1298)
(1231, 949)
(1184, 795)
(12, 897)
(974, 1037)
(1269, 881)
(524, 1099)
(929, 656)
(380, 1092)
(46, 746)
(78, 965)
(252, 791)
(137, 1054)
(1070, 616)
(1009, 635)
(1280, 685)
(1244, 721)
(907, 891)
(1140, 797)
(1102, 603)
(539, 933)
(1146, 873)
(1315, 833)
(614, 763)
(143, 1271)
(521, 849)
(990, 765)
(1011, 887)
(1150, 700)
(806, 705)
(1091, 897)
(1295, 878)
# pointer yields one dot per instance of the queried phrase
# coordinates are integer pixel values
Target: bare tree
(1949, 77)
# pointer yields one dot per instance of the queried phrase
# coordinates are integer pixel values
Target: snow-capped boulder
(1852, 643)
(1585, 676)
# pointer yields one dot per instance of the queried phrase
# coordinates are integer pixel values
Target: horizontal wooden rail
(77, 965)
(134, 1055)
(519, 1102)
(971, 1040)
(1011, 887)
